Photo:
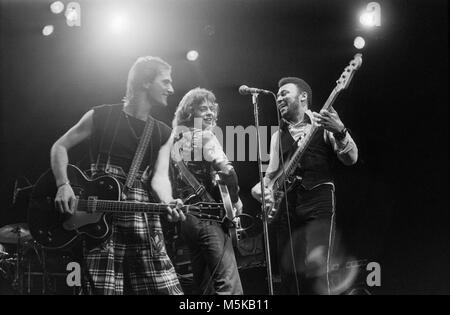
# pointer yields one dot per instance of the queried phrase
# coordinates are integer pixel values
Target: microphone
(245, 90)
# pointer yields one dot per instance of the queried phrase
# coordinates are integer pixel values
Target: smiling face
(160, 88)
(207, 112)
(291, 102)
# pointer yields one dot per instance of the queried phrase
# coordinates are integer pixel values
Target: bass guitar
(284, 174)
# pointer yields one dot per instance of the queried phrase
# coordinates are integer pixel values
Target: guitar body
(54, 230)
(96, 199)
(234, 228)
(292, 182)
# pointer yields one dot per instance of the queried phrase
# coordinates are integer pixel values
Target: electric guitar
(200, 193)
(285, 173)
(96, 200)
(235, 229)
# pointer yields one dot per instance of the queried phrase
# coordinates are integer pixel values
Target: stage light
(371, 16)
(57, 7)
(359, 42)
(366, 19)
(73, 14)
(48, 30)
(192, 55)
(118, 23)
(209, 30)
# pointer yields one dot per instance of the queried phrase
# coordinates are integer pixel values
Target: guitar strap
(140, 153)
(136, 164)
(109, 127)
(189, 178)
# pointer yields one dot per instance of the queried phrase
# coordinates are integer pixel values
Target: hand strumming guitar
(65, 198)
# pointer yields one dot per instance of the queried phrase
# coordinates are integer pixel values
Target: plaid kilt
(134, 259)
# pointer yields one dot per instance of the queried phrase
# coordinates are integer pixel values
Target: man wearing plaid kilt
(134, 259)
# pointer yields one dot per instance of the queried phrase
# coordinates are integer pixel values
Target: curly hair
(184, 114)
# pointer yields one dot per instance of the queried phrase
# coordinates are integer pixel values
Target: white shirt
(198, 145)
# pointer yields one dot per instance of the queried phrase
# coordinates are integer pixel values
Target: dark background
(392, 206)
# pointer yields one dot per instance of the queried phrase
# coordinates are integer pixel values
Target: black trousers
(304, 250)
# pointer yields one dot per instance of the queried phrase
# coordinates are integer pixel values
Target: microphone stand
(18, 279)
(263, 203)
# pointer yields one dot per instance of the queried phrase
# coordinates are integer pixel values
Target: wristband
(340, 135)
(65, 183)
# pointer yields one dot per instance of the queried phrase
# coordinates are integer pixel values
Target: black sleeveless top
(116, 135)
(317, 162)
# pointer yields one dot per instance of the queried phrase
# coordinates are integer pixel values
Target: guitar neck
(110, 206)
(331, 98)
(295, 159)
(204, 210)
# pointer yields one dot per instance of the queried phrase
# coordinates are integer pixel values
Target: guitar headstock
(348, 73)
(210, 211)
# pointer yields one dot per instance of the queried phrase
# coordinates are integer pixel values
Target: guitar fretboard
(121, 206)
(211, 211)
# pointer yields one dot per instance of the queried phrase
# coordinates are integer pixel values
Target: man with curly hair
(213, 261)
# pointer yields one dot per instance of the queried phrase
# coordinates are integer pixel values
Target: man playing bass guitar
(305, 230)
